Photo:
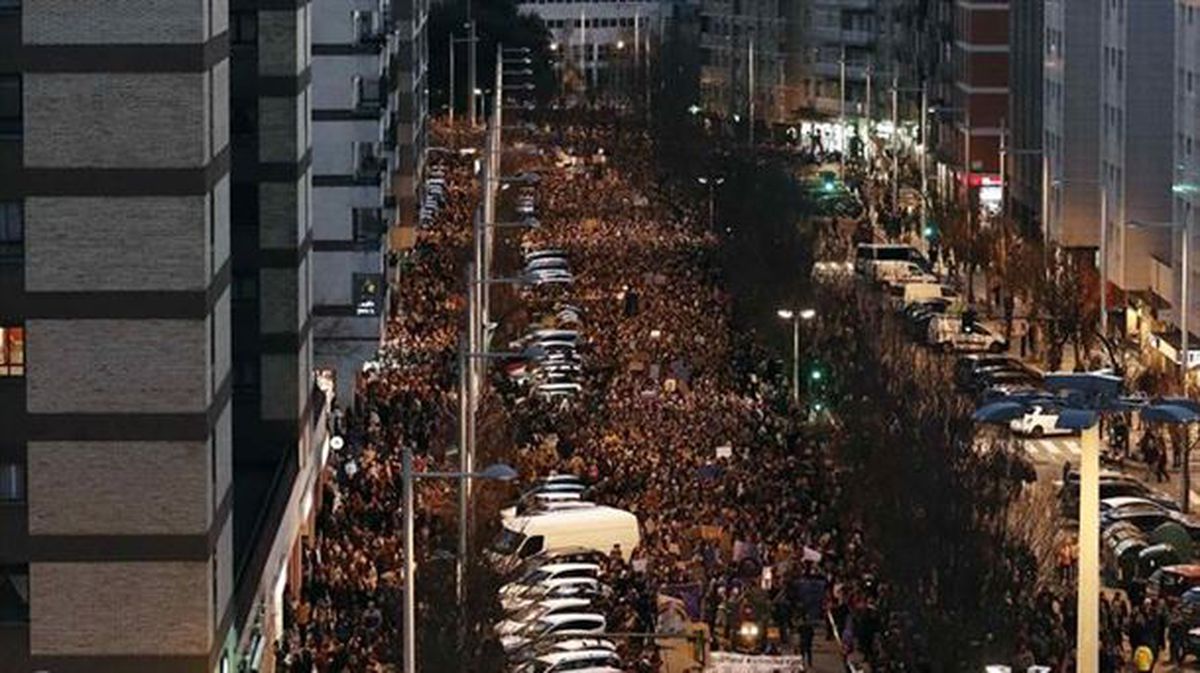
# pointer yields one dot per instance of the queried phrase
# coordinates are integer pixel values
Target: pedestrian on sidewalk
(806, 642)
(1160, 473)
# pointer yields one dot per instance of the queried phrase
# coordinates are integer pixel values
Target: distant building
(733, 36)
(590, 37)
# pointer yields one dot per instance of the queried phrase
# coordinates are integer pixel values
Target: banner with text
(732, 662)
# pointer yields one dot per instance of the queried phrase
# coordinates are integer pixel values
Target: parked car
(949, 333)
(539, 574)
(567, 587)
(967, 368)
(576, 661)
(553, 626)
(519, 619)
(1172, 581)
(1040, 420)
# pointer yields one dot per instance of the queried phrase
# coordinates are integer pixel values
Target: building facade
(1136, 78)
(1185, 189)
(1071, 117)
(596, 41)
(969, 163)
(856, 32)
(162, 432)
(744, 53)
(355, 142)
(1024, 164)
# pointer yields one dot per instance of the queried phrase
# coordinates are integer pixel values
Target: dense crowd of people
(684, 419)
(343, 617)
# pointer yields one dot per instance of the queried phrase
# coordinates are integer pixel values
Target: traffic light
(816, 374)
(930, 231)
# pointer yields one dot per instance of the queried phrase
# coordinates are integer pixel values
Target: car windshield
(508, 542)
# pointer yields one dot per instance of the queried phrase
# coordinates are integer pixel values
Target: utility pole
(451, 99)
(1104, 260)
(472, 64)
(750, 83)
(895, 145)
(842, 114)
(924, 155)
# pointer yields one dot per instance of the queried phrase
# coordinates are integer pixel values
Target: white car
(947, 332)
(552, 626)
(542, 263)
(1040, 420)
(598, 659)
(548, 572)
(565, 587)
(519, 619)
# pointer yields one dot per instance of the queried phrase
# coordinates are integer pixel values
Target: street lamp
(796, 317)
(498, 472)
(712, 184)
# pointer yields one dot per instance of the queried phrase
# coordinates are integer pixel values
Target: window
(12, 229)
(12, 482)
(14, 593)
(10, 106)
(10, 5)
(12, 351)
(243, 28)
(368, 225)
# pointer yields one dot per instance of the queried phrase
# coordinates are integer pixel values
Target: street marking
(1030, 449)
(1048, 446)
(1073, 448)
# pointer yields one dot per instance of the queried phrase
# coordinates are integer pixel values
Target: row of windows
(597, 22)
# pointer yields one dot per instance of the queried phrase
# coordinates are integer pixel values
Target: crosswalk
(1056, 448)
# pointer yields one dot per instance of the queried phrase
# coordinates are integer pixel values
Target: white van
(598, 528)
(910, 293)
(867, 256)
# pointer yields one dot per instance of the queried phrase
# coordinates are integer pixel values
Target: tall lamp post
(712, 183)
(498, 472)
(795, 317)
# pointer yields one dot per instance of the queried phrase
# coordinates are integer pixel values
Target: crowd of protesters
(344, 616)
(684, 420)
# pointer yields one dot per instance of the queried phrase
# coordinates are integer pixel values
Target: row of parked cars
(552, 366)
(935, 312)
(552, 548)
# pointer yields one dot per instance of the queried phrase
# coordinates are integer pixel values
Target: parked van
(869, 255)
(914, 292)
(598, 528)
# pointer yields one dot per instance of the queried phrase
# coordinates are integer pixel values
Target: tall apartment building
(1186, 179)
(970, 163)
(1136, 78)
(589, 37)
(855, 31)
(408, 86)
(1023, 172)
(161, 429)
(735, 35)
(355, 139)
(1071, 117)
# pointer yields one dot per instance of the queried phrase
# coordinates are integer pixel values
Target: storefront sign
(732, 662)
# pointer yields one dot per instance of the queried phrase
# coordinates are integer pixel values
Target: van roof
(577, 655)
(575, 517)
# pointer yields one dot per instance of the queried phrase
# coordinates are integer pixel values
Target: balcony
(856, 72)
(835, 35)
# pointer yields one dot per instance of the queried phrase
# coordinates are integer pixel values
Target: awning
(1169, 342)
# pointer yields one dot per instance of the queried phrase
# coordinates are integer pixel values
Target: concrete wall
(115, 120)
(119, 366)
(119, 488)
(116, 21)
(106, 243)
(120, 608)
